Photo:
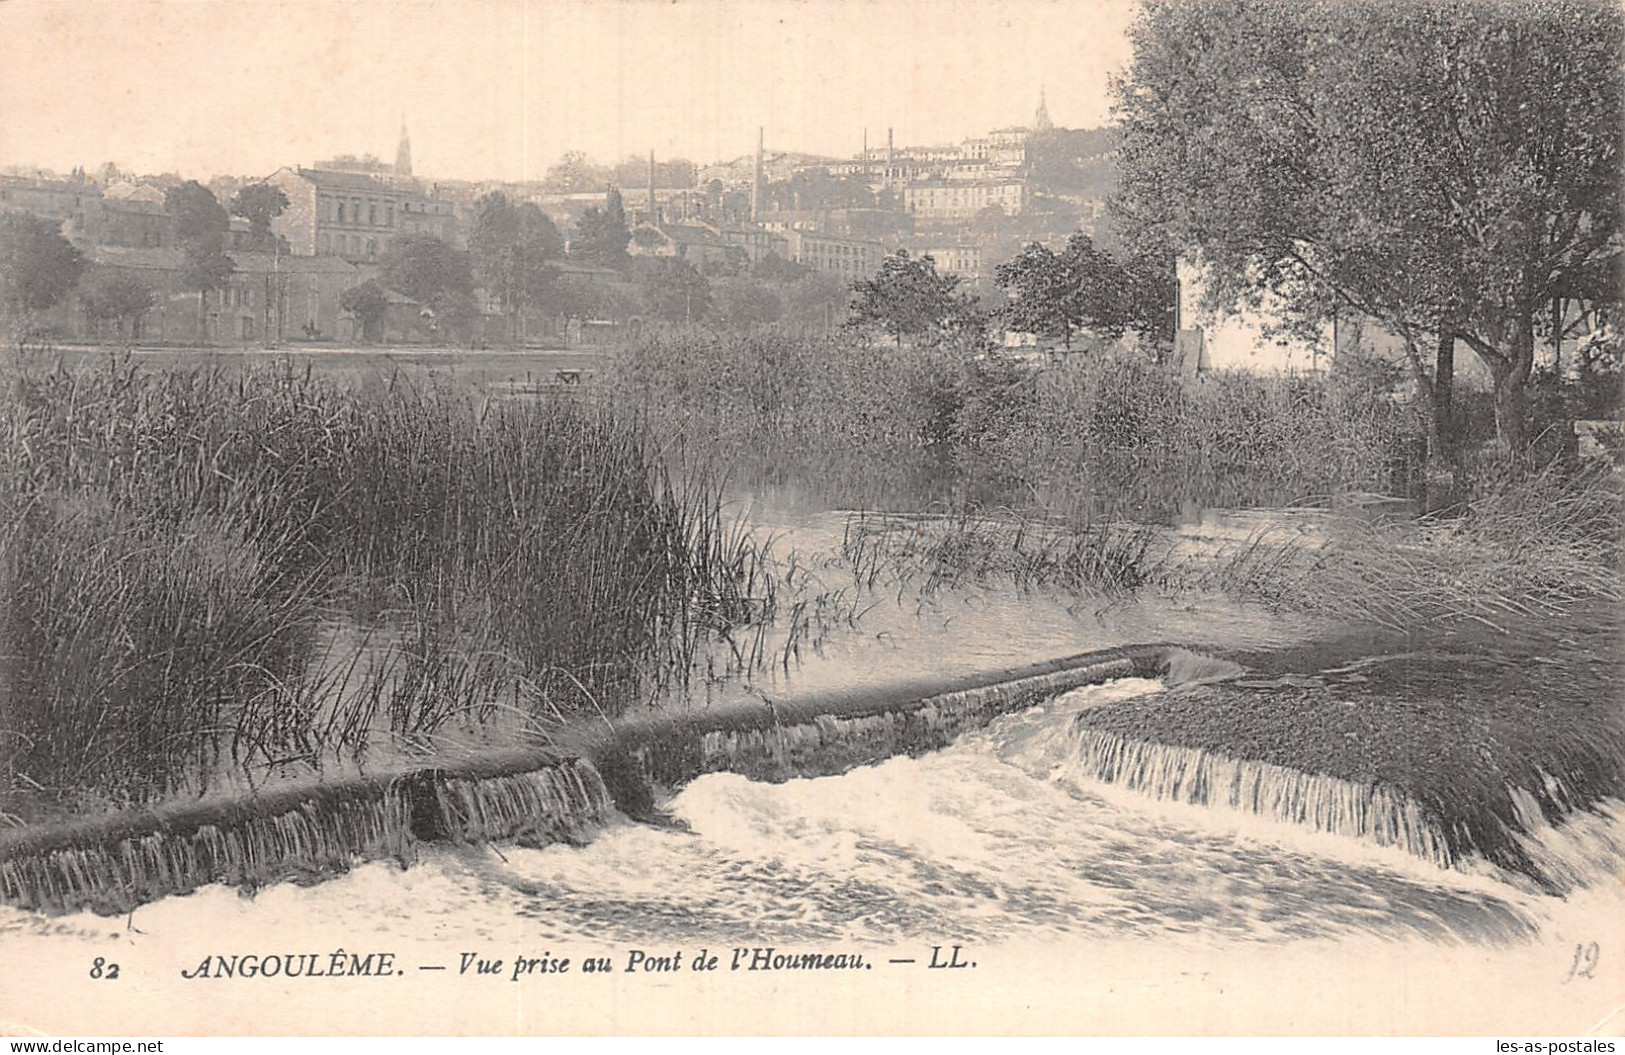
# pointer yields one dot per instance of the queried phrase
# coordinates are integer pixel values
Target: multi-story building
(431, 215)
(955, 200)
(357, 215)
(352, 215)
(76, 203)
(848, 257)
(964, 261)
(756, 240)
(699, 244)
(134, 216)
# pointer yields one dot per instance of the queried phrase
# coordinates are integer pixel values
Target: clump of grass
(944, 552)
(174, 540)
(1116, 436)
(131, 644)
(857, 425)
(1537, 543)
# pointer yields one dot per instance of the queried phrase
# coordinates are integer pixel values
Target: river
(1082, 906)
(996, 845)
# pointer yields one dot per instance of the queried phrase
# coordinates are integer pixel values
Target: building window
(372, 248)
(372, 213)
(322, 244)
(389, 216)
(341, 212)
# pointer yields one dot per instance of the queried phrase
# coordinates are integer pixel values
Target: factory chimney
(756, 184)
(654, 215)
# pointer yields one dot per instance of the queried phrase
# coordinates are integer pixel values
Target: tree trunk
(1444, 387)
(1511, 383)
(1509, 412)
(1558, 311)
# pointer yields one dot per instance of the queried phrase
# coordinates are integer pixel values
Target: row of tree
(1054, 295)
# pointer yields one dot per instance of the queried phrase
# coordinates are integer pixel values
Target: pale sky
(502, 88)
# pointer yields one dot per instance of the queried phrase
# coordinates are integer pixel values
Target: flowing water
(1051, 854)
(1004, 840)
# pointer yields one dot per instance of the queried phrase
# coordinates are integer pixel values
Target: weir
(1374, 813)
(113, 867)
(536, 795)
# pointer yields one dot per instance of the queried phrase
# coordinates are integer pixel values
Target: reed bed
(178, 548)
(987, 471)
(1095, 437)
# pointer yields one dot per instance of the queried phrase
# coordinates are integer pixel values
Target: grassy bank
(179, 546)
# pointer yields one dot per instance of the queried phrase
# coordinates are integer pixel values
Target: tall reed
(179, 546)
(1099, 436)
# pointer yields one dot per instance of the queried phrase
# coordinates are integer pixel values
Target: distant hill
(1076, 163)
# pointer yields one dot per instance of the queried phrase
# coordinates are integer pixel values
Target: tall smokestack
(865, 146)
(654, 216)
(756, 183)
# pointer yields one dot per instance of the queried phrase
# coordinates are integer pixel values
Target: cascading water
(556, 803)
(319, 834)
(1382, 815)
(1030, 823)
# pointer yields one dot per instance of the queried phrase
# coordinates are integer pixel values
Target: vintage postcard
(812, 517)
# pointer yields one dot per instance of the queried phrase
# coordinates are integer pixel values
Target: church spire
(1041, 121)
(403, 153)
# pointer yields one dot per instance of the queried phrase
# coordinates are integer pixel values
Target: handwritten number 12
(1585, 961)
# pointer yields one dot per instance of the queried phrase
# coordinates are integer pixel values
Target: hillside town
(349, 250)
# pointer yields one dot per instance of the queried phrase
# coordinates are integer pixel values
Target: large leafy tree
(510, 247)
(817, 300)
(200, 224)
(435, 275)
(745, 302)
(426, 269)
(368, 303)
(601, 234)
(906, 297)
(575, 174)
(38, 267)
(260, 204)
(1045, 297)
(1447, 168)
(1085, 288)
(675, 290)
(774, 269)
(112, 296)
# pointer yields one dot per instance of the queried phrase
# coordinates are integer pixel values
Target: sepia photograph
(812, 517)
